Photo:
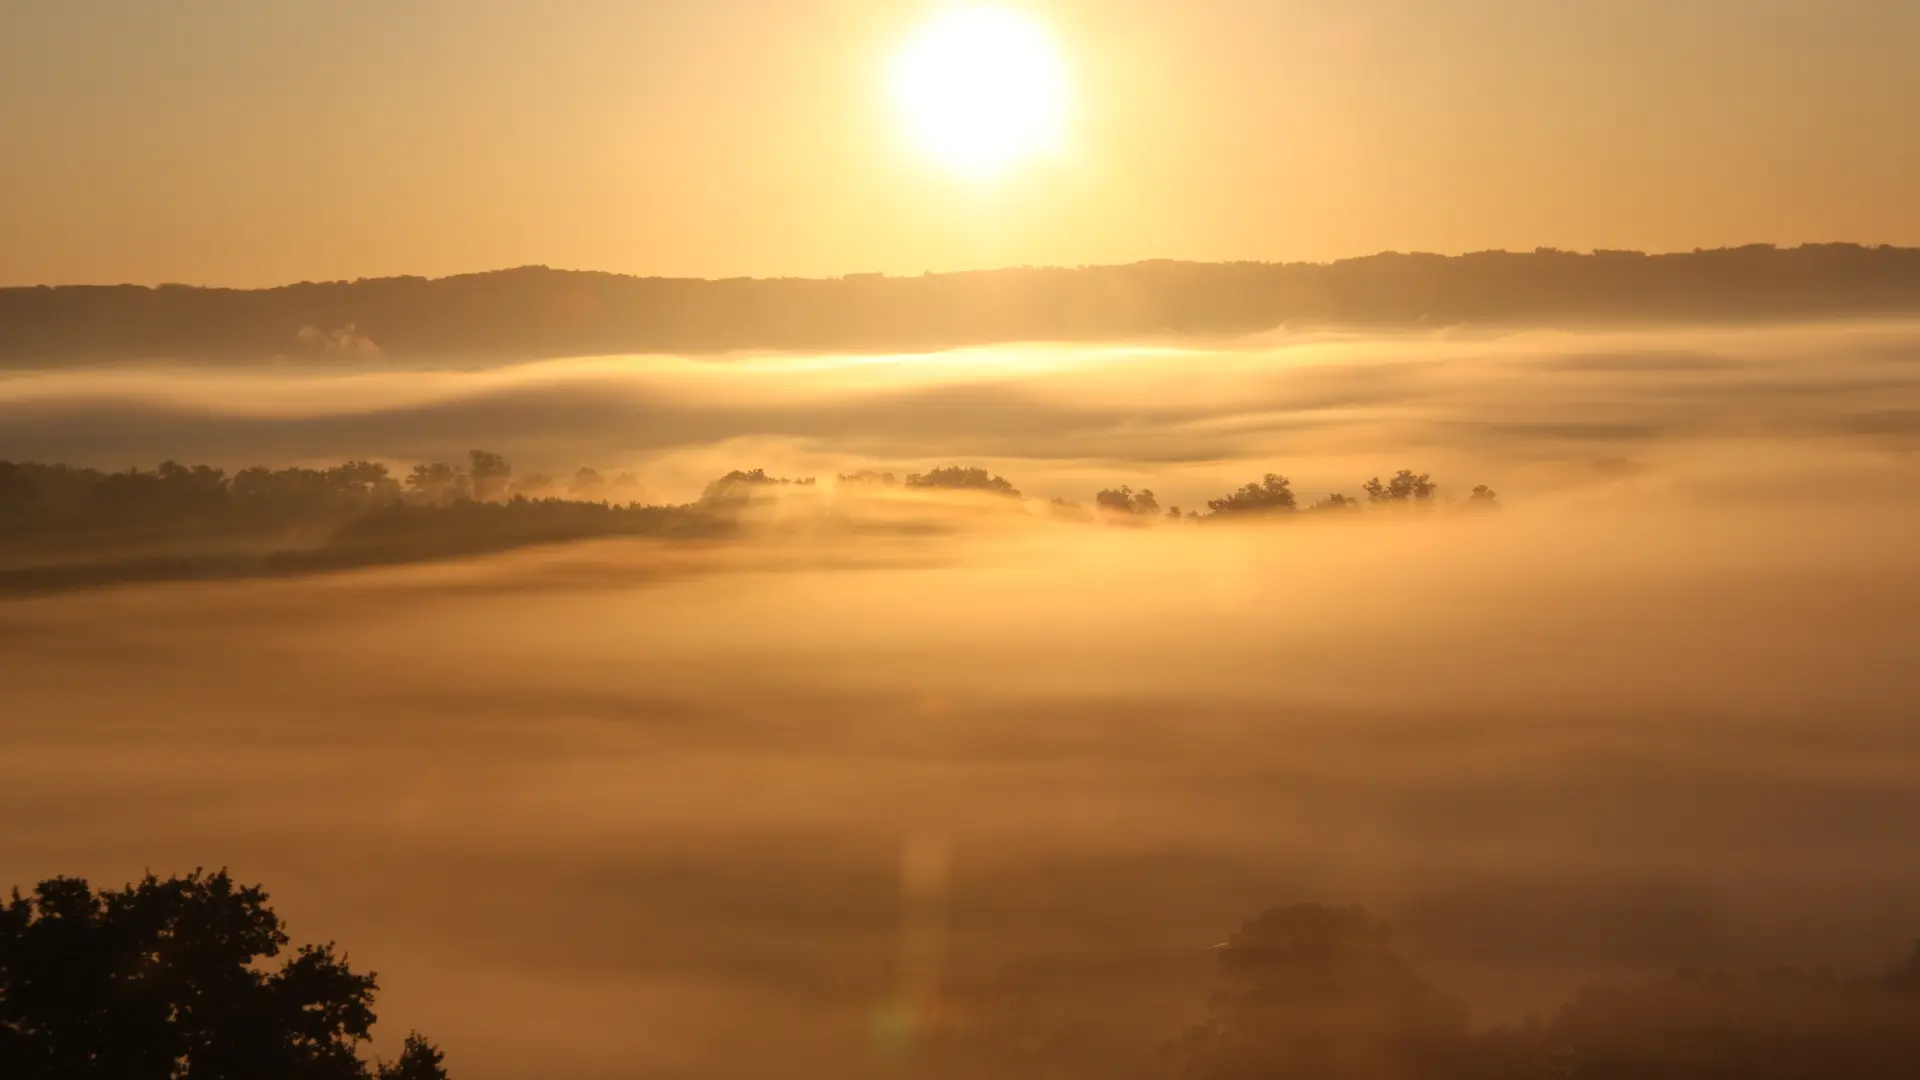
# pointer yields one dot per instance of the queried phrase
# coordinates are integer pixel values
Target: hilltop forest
(536, 312)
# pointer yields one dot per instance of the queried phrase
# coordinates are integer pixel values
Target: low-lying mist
(1519, 410)
(730, 807)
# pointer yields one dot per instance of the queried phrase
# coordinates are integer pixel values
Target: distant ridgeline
(535, 312)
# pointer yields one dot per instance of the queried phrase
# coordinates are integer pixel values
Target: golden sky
(247, 142)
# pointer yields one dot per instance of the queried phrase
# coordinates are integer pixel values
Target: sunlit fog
(1654, 712)
(959, 540)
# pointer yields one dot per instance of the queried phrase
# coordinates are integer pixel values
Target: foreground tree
(418, 1060)
(164, 980)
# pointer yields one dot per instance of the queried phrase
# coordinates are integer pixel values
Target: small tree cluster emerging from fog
(197, 522)
(36, 497)
(1273, 495)
(1125, 500)
(959, 478)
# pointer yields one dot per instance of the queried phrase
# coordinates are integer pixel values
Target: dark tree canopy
(1406, 486)
(489, 472)
(418, 1060)
(1125, 500)
(82, 527)
(1318, 993)
(1311, 992)
(438, 482)
(511, 314)
(739, 487)
(165, 980)
(16, 488)
(962, 478)
(1336, 501)
(1272, 495)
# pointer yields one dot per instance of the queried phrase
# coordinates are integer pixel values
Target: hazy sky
(244, 142)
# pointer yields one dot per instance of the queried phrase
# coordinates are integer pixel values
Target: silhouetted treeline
(1272, 496)
(534, 312)
(36, 497)
(165, 980)
(63, 527)
(362, 502)
(1320, 992)
(62, 498)
(741, 486)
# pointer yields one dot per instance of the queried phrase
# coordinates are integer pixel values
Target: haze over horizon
(963, 271)
(244, 145)
(1184, 646)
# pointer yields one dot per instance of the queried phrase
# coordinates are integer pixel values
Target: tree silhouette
(1714, 1025)
(418, 1060)
(738, 487)
(1272, 495)
(962, 478)
(1124, 500)
(364, 480)
(1318, 993)
(1406, 486)
(508, 314)
(489, 472)
(163, 980)
(438, 483)
(1336, 501)
(17, 489)
(587, 483)
(144, 525)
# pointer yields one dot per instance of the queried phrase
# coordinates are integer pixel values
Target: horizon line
(877, 275)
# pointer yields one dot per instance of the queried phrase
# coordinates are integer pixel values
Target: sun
(981, 89)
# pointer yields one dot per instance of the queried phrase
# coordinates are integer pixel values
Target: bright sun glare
(982, 89)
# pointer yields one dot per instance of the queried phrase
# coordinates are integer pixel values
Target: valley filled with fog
(873, 774)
